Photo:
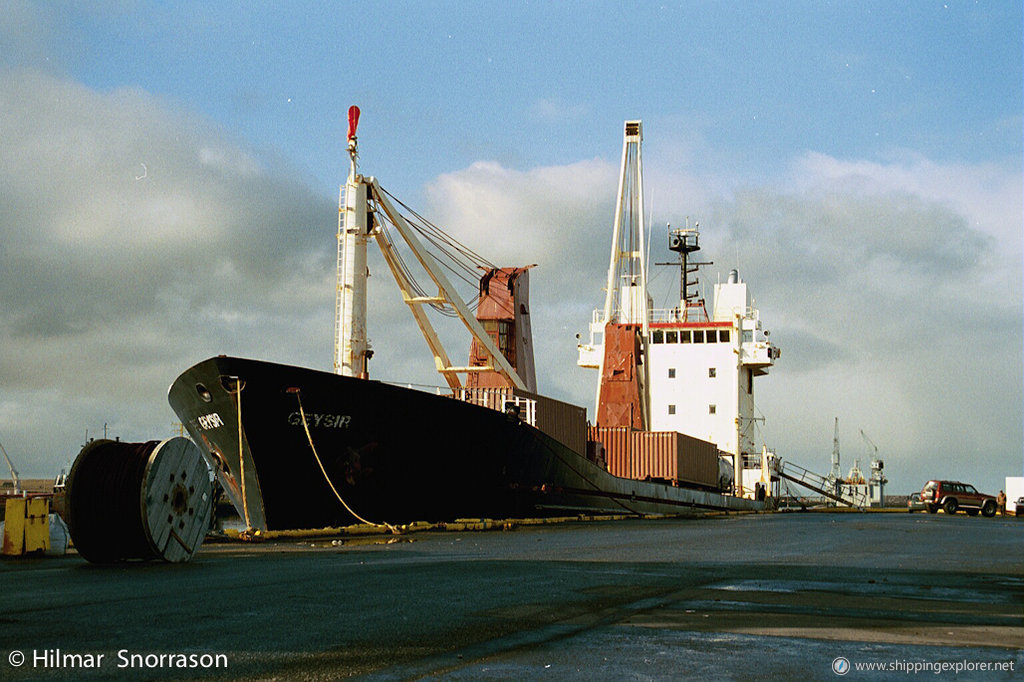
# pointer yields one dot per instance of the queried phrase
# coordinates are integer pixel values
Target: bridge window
(723, 335)
(684, 337)
(658, 336)
(698, 336)
(671, 337)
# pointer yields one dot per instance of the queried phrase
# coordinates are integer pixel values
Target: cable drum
(139, 500)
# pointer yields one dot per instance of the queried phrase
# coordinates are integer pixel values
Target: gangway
(826, 487)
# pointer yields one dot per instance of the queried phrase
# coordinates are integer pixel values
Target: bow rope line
(239, 385)
(309, 437)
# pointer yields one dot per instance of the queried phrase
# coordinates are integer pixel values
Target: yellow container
(26, 525)
(14, 526)
(37, 525)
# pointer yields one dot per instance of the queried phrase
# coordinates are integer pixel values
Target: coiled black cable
(103, 500)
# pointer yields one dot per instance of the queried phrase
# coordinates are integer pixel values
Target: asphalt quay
(787, 595)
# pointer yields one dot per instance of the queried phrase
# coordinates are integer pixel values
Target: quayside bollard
(141, 501)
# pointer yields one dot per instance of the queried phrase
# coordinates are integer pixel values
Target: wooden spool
(139, 500)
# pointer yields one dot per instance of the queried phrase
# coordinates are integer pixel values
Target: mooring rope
(309, 437)
(239, 385)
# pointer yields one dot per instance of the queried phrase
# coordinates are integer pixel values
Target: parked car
(951, 496)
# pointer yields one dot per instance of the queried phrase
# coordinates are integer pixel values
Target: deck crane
(14, 472)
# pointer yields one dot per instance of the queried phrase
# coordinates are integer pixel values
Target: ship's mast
(686, 241)
(351, 347)
(626, 298)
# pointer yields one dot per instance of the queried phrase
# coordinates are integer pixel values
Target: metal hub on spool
(177, 498)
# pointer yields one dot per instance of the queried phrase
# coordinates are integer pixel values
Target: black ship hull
(393, 454)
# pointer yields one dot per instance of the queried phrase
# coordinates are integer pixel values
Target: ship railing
(501, 399)
(752, 460)
(658, 315)
(692, 313)
(695, 311)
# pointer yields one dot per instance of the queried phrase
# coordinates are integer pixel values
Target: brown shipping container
(658, 454)
(618, 448)
(674, 456)
(564, 422)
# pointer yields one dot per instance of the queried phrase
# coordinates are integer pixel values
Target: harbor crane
(836, 472)
(14, 472)
(877, 476)
(872, 448)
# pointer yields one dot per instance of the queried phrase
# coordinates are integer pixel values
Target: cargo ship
(295, 447)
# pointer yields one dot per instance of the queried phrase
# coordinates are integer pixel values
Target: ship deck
(731, 596)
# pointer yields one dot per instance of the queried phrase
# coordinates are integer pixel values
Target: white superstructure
(702, 371)
(695, 373)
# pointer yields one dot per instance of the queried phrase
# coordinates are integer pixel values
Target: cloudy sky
(169, 177)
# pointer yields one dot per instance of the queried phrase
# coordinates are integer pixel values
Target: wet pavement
(733, 597)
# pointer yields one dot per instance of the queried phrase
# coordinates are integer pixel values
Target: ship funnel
(734, 276)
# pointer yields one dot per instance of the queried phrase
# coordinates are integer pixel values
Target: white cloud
(988, 194)
(533, 216)
(114, 278)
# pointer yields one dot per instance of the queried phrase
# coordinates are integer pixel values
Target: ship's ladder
(823, 485)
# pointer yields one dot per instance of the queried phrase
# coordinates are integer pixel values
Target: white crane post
(350, 342)
(628, 256)
(616, 255)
